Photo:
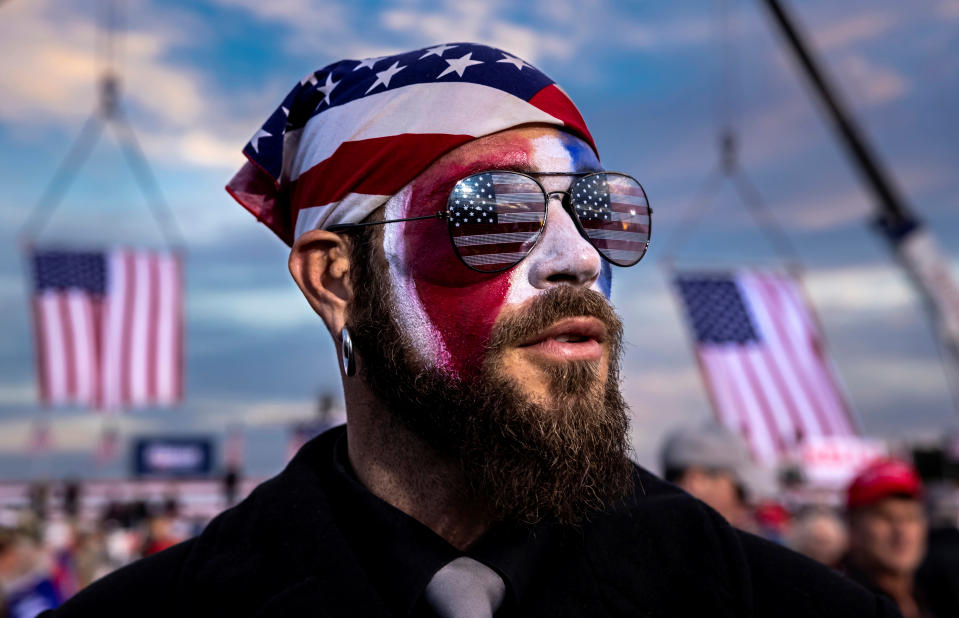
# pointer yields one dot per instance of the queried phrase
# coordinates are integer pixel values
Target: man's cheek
(463, 318)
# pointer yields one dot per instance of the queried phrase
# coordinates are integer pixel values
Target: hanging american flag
(108, 327)
(763, 358)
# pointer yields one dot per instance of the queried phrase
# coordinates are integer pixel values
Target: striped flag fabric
(108, 327)
(762, 356)
(351, 135)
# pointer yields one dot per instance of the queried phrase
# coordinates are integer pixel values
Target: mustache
(557, 303)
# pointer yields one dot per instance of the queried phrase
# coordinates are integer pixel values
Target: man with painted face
(452, 225)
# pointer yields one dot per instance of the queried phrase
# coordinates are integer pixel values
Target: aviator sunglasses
(495, 218)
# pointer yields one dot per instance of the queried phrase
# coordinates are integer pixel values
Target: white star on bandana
(439, 50)
(513, 60)
(327, 88)
(255, 141)
(368, 63)
(384, 77)
(459, 65)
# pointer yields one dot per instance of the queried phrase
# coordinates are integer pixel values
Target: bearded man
(451, 224)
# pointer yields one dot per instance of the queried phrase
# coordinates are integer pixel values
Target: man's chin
(543, 379)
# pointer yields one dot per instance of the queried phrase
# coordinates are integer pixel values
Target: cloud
(858, 28)
(252, 308)
(54, 73)
(949, 9)
(53, 80)
(691, 31)
(18, 394)
(852, 290)
(869, 83)
(310, 28)
(479, 22)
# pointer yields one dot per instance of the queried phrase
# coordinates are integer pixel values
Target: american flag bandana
(351, 135)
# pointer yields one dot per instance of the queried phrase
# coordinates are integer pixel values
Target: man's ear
(320, 265)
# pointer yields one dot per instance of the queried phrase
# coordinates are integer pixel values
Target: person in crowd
(453, 228)
(887, 533)
(820, 533)
(27, 585)
(712, 464)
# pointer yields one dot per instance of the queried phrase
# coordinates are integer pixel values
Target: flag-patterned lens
(495, 218)
(614, 213)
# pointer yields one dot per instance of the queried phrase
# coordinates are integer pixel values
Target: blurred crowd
(47, 556)
(886, 529)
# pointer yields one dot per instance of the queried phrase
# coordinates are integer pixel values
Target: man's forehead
(526, 149)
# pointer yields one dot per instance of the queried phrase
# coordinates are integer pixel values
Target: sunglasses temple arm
(342, 227)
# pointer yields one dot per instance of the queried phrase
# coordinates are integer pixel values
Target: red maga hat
(881, 479)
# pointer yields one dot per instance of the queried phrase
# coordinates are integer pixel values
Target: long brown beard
(523, 461)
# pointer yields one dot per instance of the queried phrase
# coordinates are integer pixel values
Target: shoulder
(689, 542)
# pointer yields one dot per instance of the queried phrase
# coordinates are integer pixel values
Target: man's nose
(562, 255)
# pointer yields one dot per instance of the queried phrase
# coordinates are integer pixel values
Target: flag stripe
(726, 404)
(380, 166)
(781, 350)
(822, 365)
(153, 314)
(114, 331)
(797, 346)
(55, 358)
(761, 412)
(69, 350)
(794, 397)
(166, 330)
(138, 343)
(80, 335)
(126, 363)
(758, 432)
(775, 412)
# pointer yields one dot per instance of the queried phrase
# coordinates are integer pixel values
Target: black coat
(281, 553)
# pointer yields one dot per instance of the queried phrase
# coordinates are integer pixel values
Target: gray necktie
(465, 588)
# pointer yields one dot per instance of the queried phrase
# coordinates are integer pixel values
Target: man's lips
(570, 339)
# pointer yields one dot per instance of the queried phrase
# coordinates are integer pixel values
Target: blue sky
(649, 77)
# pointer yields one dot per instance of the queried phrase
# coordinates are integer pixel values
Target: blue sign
(172, 456)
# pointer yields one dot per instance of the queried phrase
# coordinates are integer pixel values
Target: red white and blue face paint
(448, 309)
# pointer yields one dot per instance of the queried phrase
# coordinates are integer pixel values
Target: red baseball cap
(881, 479)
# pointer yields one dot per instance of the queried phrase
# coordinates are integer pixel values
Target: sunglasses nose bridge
(564, 199)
